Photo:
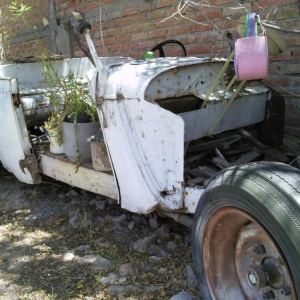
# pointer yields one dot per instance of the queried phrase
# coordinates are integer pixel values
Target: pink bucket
(251, 58)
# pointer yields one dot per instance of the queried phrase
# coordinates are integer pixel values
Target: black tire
(83, 26)
(263, 197)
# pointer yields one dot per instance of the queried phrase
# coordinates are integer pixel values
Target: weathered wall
(131, 27)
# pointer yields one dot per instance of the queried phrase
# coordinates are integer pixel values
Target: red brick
(290, 68)
(199, 27)
(129, 11)
(220, 48)
(178, 30)
(156, 14)
(145, 7)
(225, 24)
(93, 5)
(263, 4)
(293, 40)
(209, 37)
(291, 107)
(124, 38)
(221, 2)
(146, 44)
(287, 13)
(115, 48)
(139, 36)
(282, 56)
(164, 3)
(158, 34)
(126, 47)
(166, 23)
(109, 40)
(198, 49)
(296, 55)
(276, 81)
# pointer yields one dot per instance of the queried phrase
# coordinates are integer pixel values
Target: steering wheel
(159, 47)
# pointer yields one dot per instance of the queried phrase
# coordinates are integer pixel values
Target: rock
(162, 271)
(76, 201)
(61, 195)
(143, 244)
(188, 239)
(96, 261)
(110, 279)
(30, 220)
(115, 289)
(80, 220)
(153, 288)
(139, 219)
(85, 195)
(122, 280)
(131, 225)
(93, 201)
(126, 269)
(164, 232)
(172, 246)
(153, 222)
(101, 204)
(191, 278)
(111, 201)
(68, 256)
(72, 193)
(83, 248)
(184, 296)
(155, 258)
(178, 237)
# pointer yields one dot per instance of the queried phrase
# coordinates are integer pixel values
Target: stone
(172, 246)
(122, 280)
(191, 278)
(131, 225)
(110, 279)
(184, 296)
(153, 288)
(164, 232)
(101, 204)
(68, 256)
(111, 201)
(126, 269)
(72, 193)
(143, 244)
(96, 261)
(76, 201)
(153, 222)
(83, 248)
(115, 289)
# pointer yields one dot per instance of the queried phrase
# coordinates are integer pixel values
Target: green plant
(71, 92)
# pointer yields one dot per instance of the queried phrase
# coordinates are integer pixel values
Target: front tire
(246, 234)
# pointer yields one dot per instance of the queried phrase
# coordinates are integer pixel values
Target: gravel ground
(62, 243)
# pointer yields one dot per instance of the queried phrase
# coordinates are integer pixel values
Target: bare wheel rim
(242, 261)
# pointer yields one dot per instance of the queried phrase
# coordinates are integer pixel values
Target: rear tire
(246, 234)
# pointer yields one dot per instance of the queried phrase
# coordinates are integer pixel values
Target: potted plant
(78, 117)
(53, 124)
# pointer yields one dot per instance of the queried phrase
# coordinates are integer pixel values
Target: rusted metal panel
(191, 198)
(245, 110)
(16, 152)
(146, 146)
(60, 168)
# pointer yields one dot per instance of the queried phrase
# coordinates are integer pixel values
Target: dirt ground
(57, 242)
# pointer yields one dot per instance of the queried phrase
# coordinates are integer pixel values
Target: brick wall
(131, 27)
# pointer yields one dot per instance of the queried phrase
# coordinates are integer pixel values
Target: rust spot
(193, 203)
(186, 193)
